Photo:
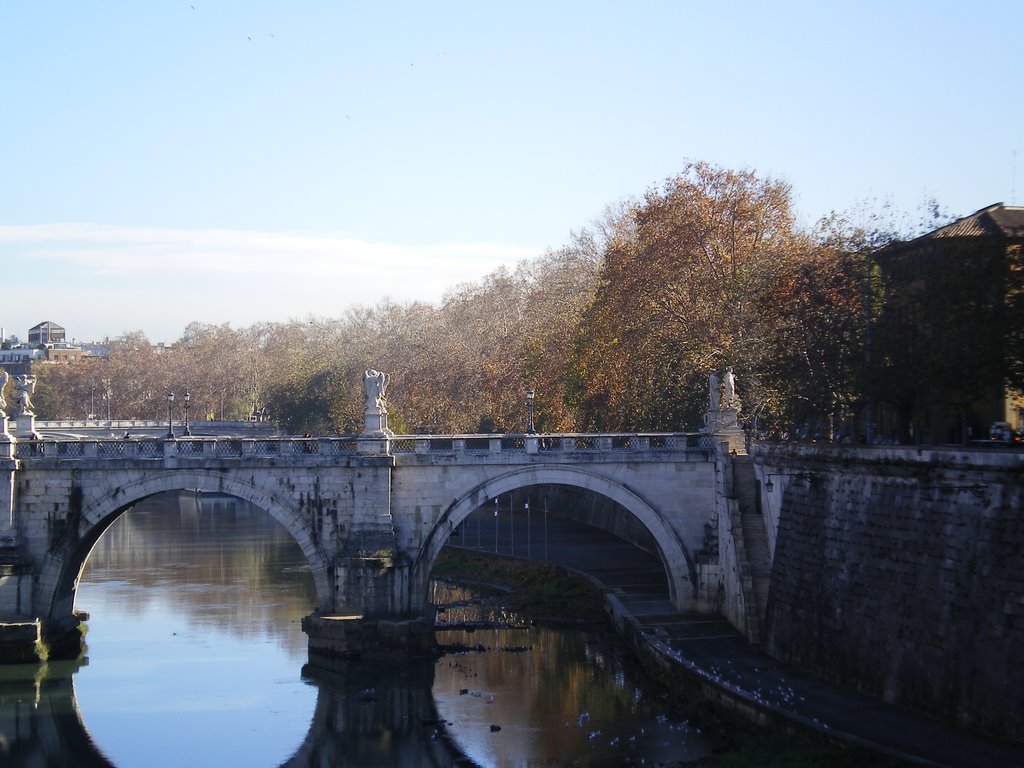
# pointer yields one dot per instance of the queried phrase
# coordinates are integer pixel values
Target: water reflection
(365, 715)
(213, 560)
(196, 657)
(375, 714)
(39, 720)
(558, 698)
(194, 641)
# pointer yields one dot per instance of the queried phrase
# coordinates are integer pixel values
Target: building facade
(47, 332)
(947, 357)
(46, 344)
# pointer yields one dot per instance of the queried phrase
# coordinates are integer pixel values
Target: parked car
(1002, 432)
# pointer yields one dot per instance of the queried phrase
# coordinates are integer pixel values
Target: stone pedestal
(724, 425)
(375, 423)
(6, 442)
(26, 426)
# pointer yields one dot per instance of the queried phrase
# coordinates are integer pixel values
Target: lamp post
(170, 404)
(188, 432)
(529, 412)
(108, 394)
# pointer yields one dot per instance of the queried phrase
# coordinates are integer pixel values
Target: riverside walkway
(715, 654)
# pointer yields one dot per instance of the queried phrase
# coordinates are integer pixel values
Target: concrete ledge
(21, 642)
(355, 636)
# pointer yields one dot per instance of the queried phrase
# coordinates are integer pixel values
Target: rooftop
(997, 219)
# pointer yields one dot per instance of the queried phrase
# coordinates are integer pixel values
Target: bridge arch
(62, 569)
(679, 567)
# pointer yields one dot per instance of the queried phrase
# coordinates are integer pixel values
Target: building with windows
(46, 332)
(19, 360)
(947, 347)
(46, 345)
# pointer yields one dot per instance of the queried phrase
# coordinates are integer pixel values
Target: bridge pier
(20, 642)
(31, 641)
(357, 636)
(373, 619)
(65, 638)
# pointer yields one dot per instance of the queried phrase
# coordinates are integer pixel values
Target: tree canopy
(617, 330)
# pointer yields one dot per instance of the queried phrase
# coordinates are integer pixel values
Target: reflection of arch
(392, 702)
(63, 567)
(354, 700)
(682, 576)
(47, 728)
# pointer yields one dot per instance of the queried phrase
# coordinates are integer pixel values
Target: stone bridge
(371, 514)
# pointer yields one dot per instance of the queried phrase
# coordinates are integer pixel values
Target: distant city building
(96, 349)
(64, 353)
(46, 344)
(951, 330)
(46, 332)
(18, 361)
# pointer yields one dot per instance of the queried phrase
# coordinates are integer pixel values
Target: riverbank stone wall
(903, 576)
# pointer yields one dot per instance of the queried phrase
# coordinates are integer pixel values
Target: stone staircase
(753, 551)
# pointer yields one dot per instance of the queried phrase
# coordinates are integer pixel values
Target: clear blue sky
(235, 161)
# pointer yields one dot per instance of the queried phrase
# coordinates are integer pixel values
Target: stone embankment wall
(900, 573)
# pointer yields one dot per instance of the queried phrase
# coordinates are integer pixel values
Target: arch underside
(671, 551)
(63, 568)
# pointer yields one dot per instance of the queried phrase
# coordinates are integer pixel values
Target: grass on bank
(540, 591)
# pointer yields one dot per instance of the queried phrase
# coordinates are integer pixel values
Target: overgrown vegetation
(539, 591)
(616, 330)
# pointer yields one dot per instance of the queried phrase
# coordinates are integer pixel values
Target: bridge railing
(549, 444)
(225, 447)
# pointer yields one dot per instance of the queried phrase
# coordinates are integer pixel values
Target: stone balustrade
(222, 447)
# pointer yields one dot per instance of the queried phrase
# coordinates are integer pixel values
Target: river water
(196, 657)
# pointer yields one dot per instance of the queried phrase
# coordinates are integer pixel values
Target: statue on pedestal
(731, 401)
(25, 385)
(376, 385)
(722, 419)
(376, 414)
